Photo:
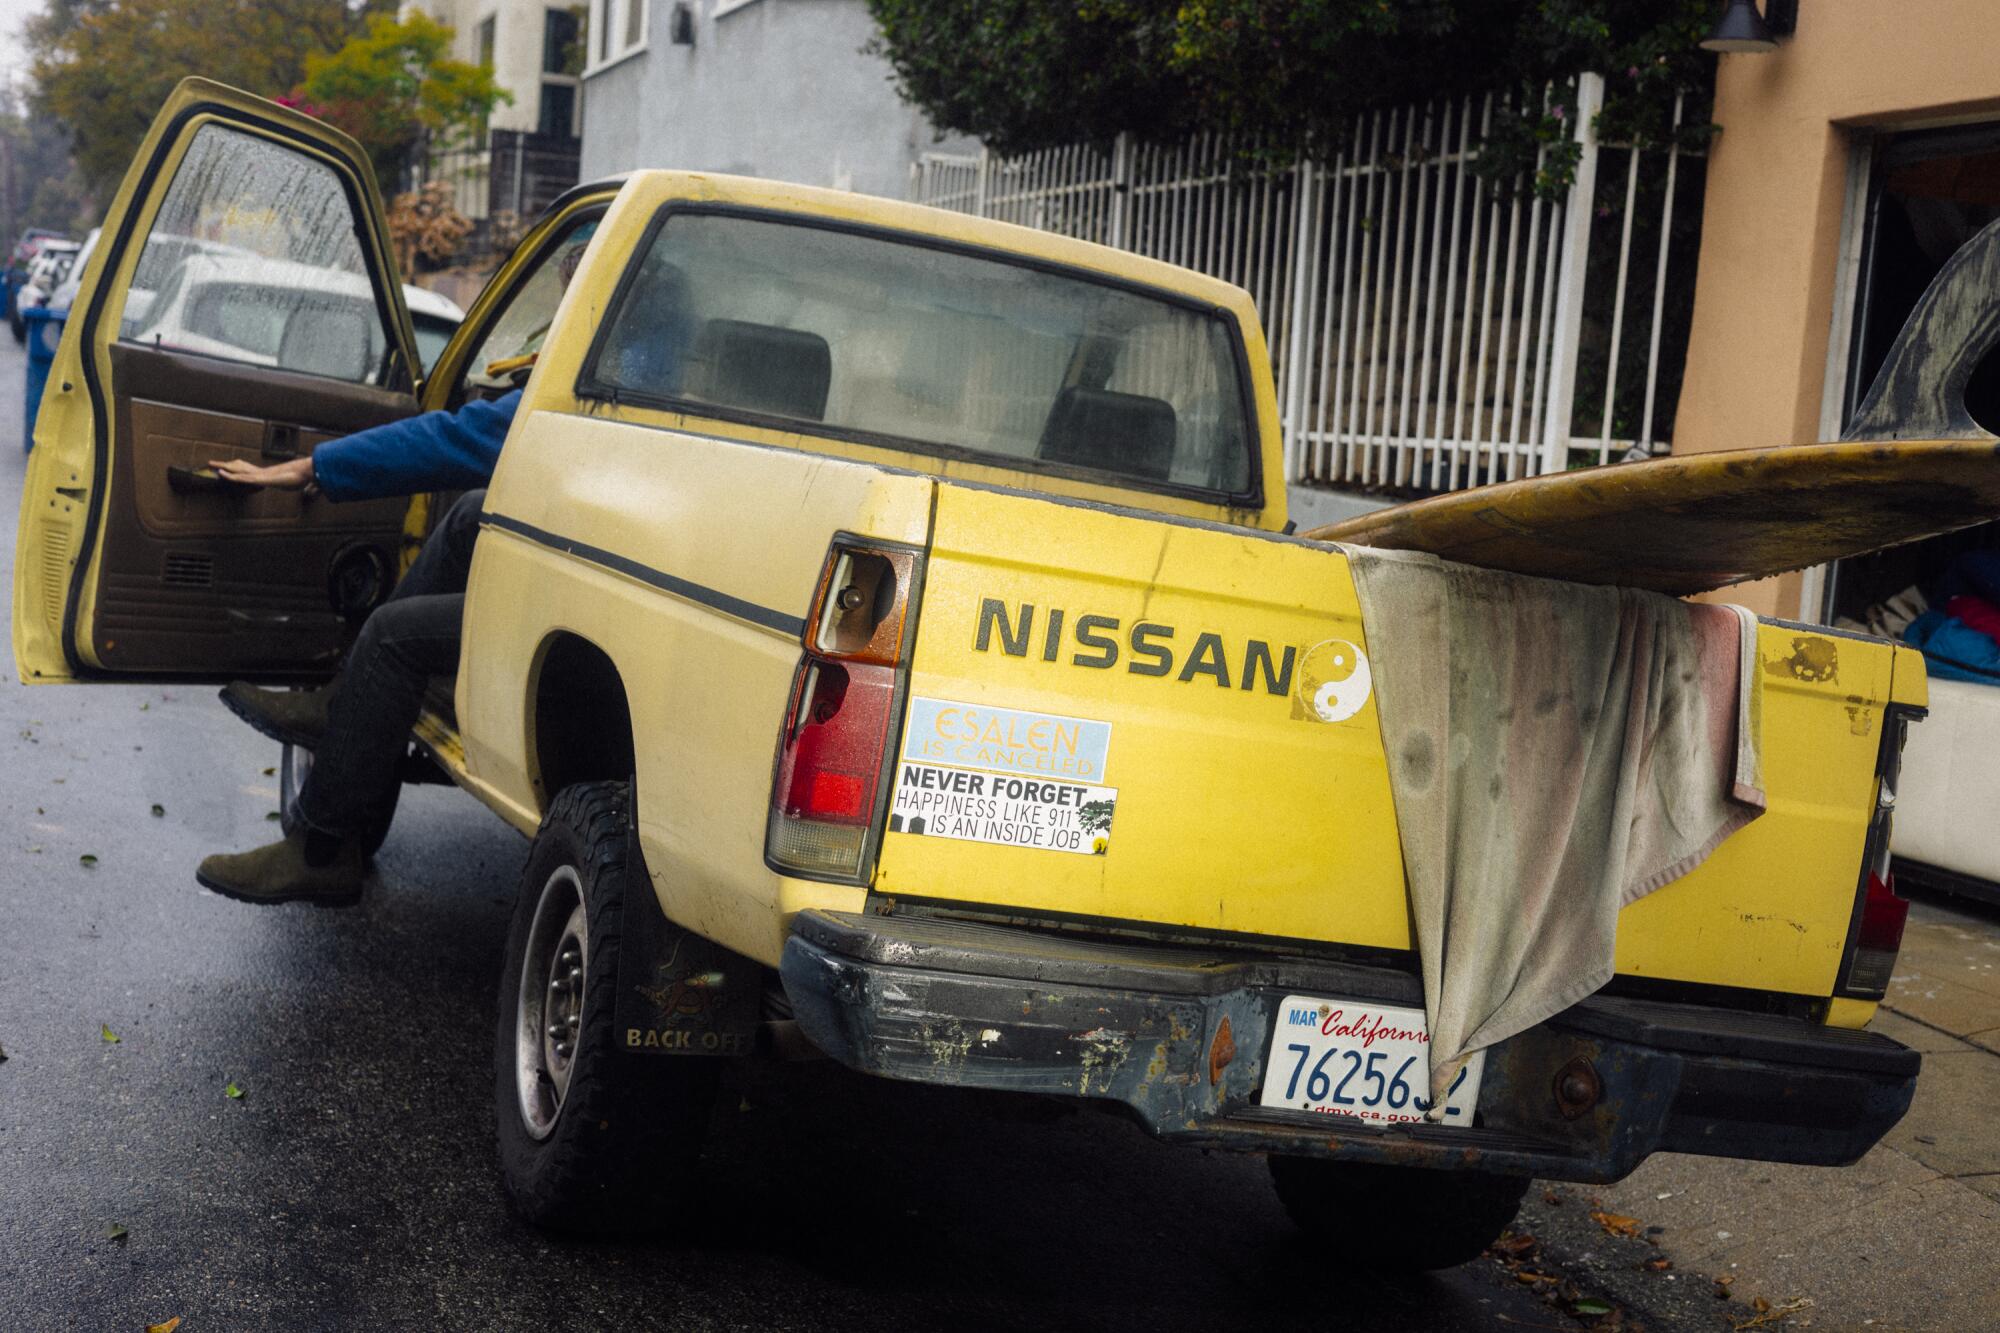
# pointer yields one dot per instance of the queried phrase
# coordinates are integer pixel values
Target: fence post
(1121, 191)
(1298, 320)
(520, 183)
(1569, 282)
(979, 189)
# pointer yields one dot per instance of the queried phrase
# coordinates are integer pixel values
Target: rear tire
(593, 1139)
(294, 762)
(1398, 1217)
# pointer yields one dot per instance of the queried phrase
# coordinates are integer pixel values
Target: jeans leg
(445, 562)
(405, 642)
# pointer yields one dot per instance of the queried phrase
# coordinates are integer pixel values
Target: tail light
(831, 775)
(1876, 934)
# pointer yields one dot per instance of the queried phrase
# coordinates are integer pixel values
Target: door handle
(202, 481)
(281, 440)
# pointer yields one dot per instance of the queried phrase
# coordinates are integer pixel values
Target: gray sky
(13, 59)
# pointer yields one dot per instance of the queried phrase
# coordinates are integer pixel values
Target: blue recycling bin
(45, 329)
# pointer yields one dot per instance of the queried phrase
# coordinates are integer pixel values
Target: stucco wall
(776, 88)
(517, 50)
(1777, 182)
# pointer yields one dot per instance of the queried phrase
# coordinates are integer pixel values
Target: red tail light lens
(826, 787)
(1879, 937)
(1877, 933)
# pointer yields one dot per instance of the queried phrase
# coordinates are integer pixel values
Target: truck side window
(254, 258)
(525, 320)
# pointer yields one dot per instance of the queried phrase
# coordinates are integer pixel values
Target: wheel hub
(550, 1001)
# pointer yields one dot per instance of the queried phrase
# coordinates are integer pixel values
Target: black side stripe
(679, 587)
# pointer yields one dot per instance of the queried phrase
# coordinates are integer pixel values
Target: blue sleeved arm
(436, 451)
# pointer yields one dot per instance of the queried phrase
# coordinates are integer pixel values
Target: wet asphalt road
(353, 1184)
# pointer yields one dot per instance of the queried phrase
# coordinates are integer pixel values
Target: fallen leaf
(233, 1092)
(1760, 1305)
(270, 772)
(1771, 1314)
(167, 1326)
(1590, 1308)
(87, 860)
(3, 1055)
(115, 1232)
(1614, 1224)
(273, 815)
(145, 707)
(1552, 1199)
(159, 812)
(107, 1034)
(1513, 1244)
(1659, 1264)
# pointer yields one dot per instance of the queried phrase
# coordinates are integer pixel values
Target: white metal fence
(1427, 330)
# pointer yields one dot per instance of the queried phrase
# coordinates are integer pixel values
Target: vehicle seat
(1115, 432)
(761, 368)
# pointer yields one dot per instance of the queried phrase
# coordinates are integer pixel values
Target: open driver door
(244, 303)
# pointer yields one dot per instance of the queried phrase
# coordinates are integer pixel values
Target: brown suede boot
(280, 873)
(295, 717)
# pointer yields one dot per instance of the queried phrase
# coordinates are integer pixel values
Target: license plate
(1369, 1061)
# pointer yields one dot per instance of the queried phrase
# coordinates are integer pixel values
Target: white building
(535, 49)
(775, 88)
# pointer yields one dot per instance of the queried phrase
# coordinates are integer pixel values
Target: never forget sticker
(1003, 776)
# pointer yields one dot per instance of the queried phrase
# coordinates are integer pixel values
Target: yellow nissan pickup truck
(886, 623)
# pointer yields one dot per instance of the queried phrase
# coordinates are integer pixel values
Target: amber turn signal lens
(862, 605)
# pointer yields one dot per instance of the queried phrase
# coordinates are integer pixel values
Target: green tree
(396, 87)
(39, 183)
(1023, 74)
(102, 68)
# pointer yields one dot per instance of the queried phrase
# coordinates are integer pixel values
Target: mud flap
(679, 994)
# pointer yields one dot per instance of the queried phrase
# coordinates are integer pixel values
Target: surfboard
(1695, 522)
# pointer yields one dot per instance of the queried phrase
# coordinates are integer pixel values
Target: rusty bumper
(1179, 1037)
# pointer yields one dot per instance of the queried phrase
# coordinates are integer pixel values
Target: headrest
(760, 368)
(1115, 432)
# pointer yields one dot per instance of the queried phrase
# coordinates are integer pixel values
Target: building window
(558, 110)
(620, 27)
(485, 40)
(562, 41)
(565, 46)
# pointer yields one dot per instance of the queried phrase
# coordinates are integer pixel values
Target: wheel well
(582, 723)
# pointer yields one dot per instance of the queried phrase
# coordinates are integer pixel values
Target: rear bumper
(1179, 1037)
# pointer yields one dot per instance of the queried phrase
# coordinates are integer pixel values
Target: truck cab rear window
(861, 335)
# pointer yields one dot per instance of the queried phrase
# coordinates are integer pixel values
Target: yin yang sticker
(1333, 684)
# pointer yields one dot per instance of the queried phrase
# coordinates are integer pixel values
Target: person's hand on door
(294, 474)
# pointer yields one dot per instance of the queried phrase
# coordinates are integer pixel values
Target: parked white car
(274, 312)
(64, 295)
(51, 264)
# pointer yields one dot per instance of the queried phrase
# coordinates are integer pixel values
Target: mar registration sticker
(1004, 776)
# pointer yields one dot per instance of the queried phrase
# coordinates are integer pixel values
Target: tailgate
(1062, 648)
(1143, 721)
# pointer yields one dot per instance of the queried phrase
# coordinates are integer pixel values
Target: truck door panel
(233, 580)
